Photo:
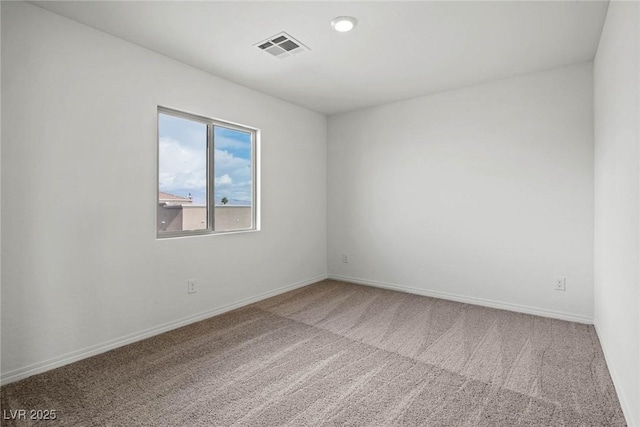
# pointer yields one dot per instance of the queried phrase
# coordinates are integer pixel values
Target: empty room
(300, 213)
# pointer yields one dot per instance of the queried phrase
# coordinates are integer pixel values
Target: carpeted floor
(340, 354)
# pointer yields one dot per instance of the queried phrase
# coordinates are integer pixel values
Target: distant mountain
(233, 202)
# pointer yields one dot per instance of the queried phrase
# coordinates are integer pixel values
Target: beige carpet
(340, 354)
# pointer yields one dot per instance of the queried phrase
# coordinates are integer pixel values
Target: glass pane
(182, 174)
(233, 179)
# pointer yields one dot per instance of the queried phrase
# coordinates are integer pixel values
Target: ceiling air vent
(281, 45)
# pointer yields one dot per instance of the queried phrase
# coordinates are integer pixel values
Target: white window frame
(210, 203)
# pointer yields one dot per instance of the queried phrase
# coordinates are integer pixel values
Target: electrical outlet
(191, 286)
(560, 284)
(345, 258)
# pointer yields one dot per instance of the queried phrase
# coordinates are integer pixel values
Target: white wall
(482, 194)
(617, 200)
(79, 141)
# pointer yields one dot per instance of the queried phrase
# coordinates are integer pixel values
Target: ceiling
(398, 50)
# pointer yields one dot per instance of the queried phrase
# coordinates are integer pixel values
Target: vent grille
(281, 45)
(289, 45)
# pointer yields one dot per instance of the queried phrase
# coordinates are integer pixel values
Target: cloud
(224, 180)
(238, 170)
(233, 141)
(191, 134)
(226, 143)
(183, 170)
(181, 167)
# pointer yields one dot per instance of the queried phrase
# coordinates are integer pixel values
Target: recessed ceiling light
(344, 23)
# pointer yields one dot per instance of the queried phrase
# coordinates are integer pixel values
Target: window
(206, 175)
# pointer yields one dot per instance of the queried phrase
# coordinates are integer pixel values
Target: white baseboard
(627, 409)
(65, 359)
(470, 300)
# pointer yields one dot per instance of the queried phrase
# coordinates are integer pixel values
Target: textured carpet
(339, 354)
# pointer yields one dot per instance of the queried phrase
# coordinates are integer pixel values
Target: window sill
(195, 233)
